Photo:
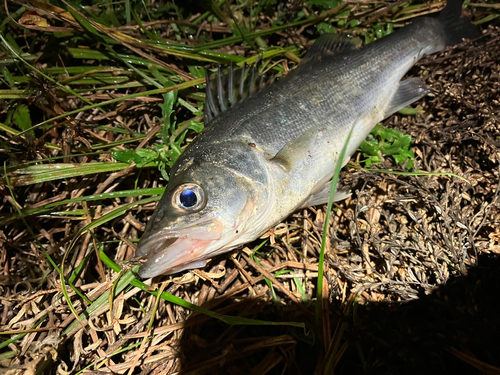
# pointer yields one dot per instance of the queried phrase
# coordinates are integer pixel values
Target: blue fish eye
(188, 198)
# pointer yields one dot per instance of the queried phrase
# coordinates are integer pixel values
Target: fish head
(204, 211)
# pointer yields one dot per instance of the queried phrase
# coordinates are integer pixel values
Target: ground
(412, 266)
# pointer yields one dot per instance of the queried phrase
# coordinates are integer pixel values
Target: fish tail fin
(455, 23)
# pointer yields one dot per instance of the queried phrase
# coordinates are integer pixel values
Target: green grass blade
(181, 86)
(89, 198)
(231, 320)
(62, 87)
(129, 279)
(335, 179)
(49, 172)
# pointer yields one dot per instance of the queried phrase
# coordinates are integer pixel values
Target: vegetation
(98, 101)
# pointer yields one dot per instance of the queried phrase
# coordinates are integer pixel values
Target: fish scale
(276, 150)
(324, 87)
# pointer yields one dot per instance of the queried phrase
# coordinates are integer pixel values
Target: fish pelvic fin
(322, 196)
(408, 91)
(329, 45)
(456, 24)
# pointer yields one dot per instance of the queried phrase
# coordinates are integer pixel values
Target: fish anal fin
(322, 196)
(329, 45)
(296, 150)
(409, 91)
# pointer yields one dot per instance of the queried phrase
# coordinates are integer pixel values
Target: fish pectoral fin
(296, 150)
(323, 195)
(409, 91)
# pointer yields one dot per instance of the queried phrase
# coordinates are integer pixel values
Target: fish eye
(189, 197)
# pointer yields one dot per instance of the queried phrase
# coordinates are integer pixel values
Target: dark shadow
(440, 333)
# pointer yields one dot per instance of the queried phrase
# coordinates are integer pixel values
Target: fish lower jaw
(153, 246)
(176, 256)
(184, 254)
(148, 272)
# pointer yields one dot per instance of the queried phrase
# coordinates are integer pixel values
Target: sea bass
(263, 157)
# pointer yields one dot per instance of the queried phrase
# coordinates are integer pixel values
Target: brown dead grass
(412, 261)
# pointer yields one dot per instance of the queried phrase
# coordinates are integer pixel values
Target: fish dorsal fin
(227, 87)
(331, 44)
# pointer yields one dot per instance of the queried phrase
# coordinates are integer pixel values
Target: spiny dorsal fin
(331, 44)
(226, 88)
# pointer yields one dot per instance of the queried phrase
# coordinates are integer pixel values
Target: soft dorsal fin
(226, 88)
(331, 44)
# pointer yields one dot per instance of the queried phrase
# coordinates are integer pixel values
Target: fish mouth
(170, 251)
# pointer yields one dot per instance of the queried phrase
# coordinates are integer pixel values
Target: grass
(98, 102)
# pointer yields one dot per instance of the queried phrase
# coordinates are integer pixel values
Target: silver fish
(263, 157)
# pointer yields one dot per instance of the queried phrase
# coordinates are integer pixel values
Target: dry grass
(412, 261)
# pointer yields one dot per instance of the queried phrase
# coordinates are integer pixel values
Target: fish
(269, 150)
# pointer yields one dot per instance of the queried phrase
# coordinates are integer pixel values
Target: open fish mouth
(172, 251)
